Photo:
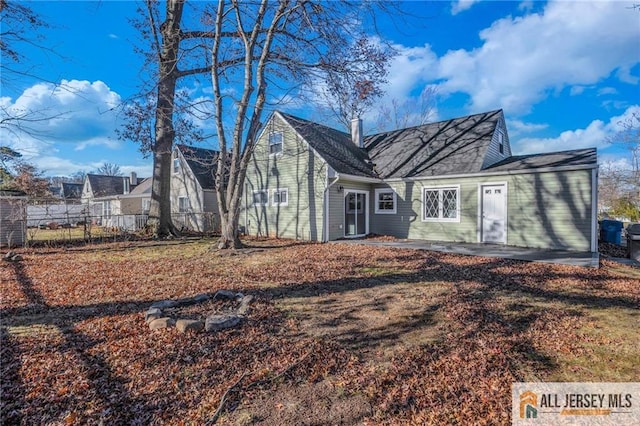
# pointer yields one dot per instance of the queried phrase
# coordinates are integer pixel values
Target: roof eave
(498, 173)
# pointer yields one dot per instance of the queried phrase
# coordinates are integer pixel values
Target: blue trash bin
(611, 231)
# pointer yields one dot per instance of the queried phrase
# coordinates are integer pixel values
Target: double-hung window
(260, 198)
(275, 143)
(176, 165)
(183, 205)
(280, 197)
(441, 204)
(385, 201)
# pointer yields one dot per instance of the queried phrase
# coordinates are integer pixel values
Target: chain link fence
(50, 223)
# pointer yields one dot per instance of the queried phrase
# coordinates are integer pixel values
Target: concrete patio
(585, 259)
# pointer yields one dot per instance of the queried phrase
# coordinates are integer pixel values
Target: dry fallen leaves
(75, 348)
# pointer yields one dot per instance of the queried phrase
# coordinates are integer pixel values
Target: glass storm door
(355, 211)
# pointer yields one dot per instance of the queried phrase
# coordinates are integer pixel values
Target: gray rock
(224, 294)
(160, 323)
(16, 258)
(184, 325)
(220, 322)
(201, 298)
(9, 255)
(244, 305)
(164, 304)
(151, 314)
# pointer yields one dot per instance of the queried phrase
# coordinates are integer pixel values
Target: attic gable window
(500, 141)
(275, 143)
(176, 165)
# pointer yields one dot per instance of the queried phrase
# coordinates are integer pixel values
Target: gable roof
(71, 190)
(143, 187)
(334, 146)
(574, 158)
(456, 146)
(104, 186)
(202, 162)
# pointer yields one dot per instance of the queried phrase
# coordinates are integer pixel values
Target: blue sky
(565, 73)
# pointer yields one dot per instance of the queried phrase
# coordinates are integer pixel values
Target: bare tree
(9, 160)
(411, 112)
(155, 121)
(109, 169)
(349, 95)
(20, 26)
(274, 45)
(618, 184)
(283, 44)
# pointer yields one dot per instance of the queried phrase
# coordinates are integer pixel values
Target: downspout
(325, 237)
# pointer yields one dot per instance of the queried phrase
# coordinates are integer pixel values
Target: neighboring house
(194, 205)
(71, 192)
(110, 196)
(454, 180)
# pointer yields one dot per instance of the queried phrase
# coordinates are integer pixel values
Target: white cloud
(607, 91)
(461, 5)
(76, 112)
(113, 36)
(596, 134)
(518, 127)
(522, 59)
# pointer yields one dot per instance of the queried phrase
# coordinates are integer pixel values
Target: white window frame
(184, 206)
(266, 197)
(440, 190)
(500, 141)
(176, 165)
(276, 193)
(380, 191)
(106, 209)
(281, 143)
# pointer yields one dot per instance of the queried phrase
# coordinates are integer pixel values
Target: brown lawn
(338, 334)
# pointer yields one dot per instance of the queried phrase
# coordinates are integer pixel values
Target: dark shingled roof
(578, 157)
(334, 146)
(456, 146)
(71, 190)
(143, 186)
(104, 186)
(202, 162)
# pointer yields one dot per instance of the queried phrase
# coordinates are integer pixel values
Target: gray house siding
(551, 210)
(493, 154)
(300, 172)
(544, 210)
(202, 205)
(337, 194)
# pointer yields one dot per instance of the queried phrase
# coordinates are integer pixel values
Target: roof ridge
(433, 123)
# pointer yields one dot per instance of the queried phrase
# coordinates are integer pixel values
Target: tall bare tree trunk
(160, 209)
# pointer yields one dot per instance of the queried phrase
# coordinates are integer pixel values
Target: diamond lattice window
(441, 204)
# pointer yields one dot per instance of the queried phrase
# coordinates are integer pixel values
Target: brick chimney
(356, 132)
(133, 179)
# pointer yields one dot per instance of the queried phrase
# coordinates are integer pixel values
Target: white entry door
(494, 213)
